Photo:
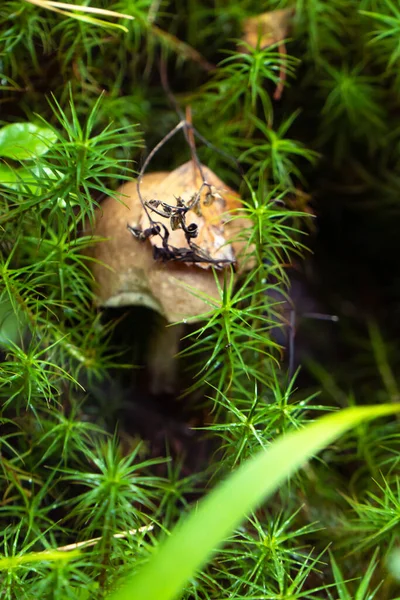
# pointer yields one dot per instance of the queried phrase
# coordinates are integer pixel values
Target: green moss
(85, 102)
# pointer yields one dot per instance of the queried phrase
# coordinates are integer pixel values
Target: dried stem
(94, 541)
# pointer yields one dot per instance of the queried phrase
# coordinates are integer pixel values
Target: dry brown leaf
(209, 212)
(267, 28)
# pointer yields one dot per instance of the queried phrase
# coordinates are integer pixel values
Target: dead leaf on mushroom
(191, 207)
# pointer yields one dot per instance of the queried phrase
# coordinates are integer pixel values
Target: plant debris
(186, 221)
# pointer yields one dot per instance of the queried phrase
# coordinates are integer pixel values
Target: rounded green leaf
(23, 141)
(32, 179)
(8, 175)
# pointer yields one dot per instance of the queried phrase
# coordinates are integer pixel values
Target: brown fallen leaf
(267, 29)
(211, 200)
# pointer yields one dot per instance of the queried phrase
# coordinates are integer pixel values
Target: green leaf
(393, 564)
(12, 322)
(31, 180)
(12, 562)
(194, 540)
(9, 176)
(23, 141)
(58, 6)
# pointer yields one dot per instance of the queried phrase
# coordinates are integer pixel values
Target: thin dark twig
(165, 83)
(171, 97)
(176, 214)
(181, 125)
(192, 145)
(320, 316)
(160, 144)
(156, 148)
(175, 104)
(187, 127)
(292, 333)
(218, 150)
(282, 73)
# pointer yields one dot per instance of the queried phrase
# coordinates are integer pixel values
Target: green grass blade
(216, 516)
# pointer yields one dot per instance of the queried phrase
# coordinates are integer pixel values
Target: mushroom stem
(162, 363)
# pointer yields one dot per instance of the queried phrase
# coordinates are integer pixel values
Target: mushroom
(126, 272)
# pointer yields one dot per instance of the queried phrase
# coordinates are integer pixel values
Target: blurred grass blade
(218, 514)
(82, 8)
(12, 562)
(70, 8)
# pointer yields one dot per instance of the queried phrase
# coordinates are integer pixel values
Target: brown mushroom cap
(125, 270)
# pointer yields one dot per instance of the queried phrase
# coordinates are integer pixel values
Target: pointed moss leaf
(214, 518)
(23, 141)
